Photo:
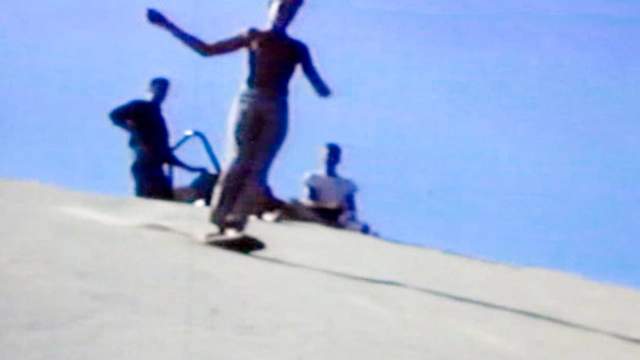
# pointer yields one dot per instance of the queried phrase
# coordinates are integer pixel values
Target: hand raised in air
(157, 18)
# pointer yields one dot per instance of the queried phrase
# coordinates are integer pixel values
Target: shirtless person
(258, 121)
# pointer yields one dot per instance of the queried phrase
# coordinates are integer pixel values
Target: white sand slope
(92, 277)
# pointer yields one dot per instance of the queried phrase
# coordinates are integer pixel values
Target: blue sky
(506, 131)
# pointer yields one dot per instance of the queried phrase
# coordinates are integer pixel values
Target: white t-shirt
(332, 192)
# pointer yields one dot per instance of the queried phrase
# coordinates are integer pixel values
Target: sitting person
(331, 197)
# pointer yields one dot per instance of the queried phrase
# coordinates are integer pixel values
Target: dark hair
(161, 82)
(271, 1)
(333, 148)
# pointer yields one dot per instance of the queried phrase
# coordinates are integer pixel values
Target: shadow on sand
(246, 244)
(456, 298)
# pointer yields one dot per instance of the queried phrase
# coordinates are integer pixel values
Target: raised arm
(199, 46)
(312, 74)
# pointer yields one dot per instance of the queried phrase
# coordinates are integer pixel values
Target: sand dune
(92, 277)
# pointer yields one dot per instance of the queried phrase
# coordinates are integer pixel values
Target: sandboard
(241, 243)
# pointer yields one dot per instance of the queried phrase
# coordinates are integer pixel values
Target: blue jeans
(257, 128)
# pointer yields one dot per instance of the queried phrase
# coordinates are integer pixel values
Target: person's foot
(234, 222)
(270, 204)
(273, 216)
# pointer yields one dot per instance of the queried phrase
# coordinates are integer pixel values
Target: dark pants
(150, 179)
(257, 129)
(329, 215)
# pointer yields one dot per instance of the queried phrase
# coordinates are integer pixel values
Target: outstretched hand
(157, 18)
(324, 92)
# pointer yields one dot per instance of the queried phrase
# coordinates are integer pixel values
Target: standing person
(259, 118)
(150, 142)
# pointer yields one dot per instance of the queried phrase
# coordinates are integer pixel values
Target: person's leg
(230, 185)
(297, 211)
(138, 179)
(141, 172)
(265, 138)
(329, 215)
(150, 179)
(277, 116)
(162, 184)
(260, 126)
